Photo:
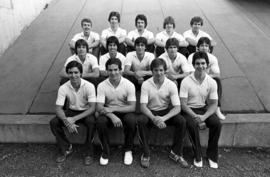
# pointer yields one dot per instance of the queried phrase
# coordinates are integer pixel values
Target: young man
(137, 66)
(88, 61)
(196, 90)
(194, 34)
(177, 65)
(116, 102)
(81, 96)
(140, 31)
(89, 36)
(169, 32)
(112, 46)
(160, 106)
(212, 70)
(114, 30)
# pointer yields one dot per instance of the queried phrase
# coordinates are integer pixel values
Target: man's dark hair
(114, 14)
(204, 40)
(115, 61)
(196, 19)
(158, 62)
(141, 40)
(170, 42)
(112, 39)
(168, 20)
(141, 17)
(81, 42)
(73, 64)
(200, 55)
(88, 20)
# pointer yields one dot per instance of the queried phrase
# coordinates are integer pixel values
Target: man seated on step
(137, 66)
(177, 65)
(89, 36)
(198, 96)
(195, 33)
(112, 46)
(88, 61)
(116, 103)
(140, 31)
(160, 107)
(81, 96)
(212, 70)
(114, 30)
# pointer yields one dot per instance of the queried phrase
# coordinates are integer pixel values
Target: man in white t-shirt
(112, 46)
(137, 66)
(89, 36)
(116, 103)
(198, 96)
(160, 107)
(177, 65)
(140, 31)
(81, 96)
(169, 32)
(88, 61)
(194, 34)
(114, 30)
(212, 69)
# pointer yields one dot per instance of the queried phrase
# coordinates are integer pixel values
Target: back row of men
(114, 105)
(97, 45)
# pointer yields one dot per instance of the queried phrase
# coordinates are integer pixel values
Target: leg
(219, 89)
(191, 49)
(102, 128)
(95, 51)
(129, 125)
(130, 48)
(214, 125)
(144, 133)
(159, 51)
(179, 133)
(184, 51)
(150, 48)
(103, 50)
(122, 49)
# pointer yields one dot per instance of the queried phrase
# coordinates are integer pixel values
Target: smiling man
(198, 95)
(116, 103)
(89, 36)
(81, 96)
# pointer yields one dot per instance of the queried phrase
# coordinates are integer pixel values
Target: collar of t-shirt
(110, 84)
(195, 80)
(72, 88)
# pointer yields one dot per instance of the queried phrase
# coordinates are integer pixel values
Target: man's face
(81, 50)
(112, 48)
(114, 21)
(74, 75)
(169, 27)
(114, 72)
(86, 26)
(172, 51)
(140, 25)
(200, 65)
(140, 49)
(204, 47)
(196, 26)
(158, 72)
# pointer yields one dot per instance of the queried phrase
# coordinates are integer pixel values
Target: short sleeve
(128, 61)
(174, 95)
(100, 94)
(144, 93)
(131, 35)
(104, 34)
(94, 62)
(131, 92)
(214, 68)
(91, 93)
(213, 90)
(102, 62)
(185, 66)
(61, 96)
(183, 89)
(96, 36)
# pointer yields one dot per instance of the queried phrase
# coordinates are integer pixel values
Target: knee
(142, 119)
(130, 120)
(90, 120)
(101, 121)
(180, 121)
(54, 122)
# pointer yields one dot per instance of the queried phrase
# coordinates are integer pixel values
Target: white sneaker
(128, 158)
(198, 164)
(103, 161)
(219, 114)
(212, 164)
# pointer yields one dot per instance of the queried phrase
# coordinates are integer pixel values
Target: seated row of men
(136, 65)
(187, 41)
(114, 105)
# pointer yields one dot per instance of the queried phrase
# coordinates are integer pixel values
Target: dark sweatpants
(145, 124)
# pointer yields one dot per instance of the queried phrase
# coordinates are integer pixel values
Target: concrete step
(239, 130)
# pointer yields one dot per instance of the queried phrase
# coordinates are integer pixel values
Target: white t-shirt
(133, 35)
(178, 66)
(77, 100)
(137, 65)
(163, 36)
(213, 67)
(159, 98)
(197, 93)
(109, 32)
(115, 97)
(89, 63)
(93, 37)
(190, 34)
(104, 58)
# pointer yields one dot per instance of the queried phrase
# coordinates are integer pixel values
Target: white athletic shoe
(212, 164)
(219, 114)
(103, 161)
(128, 158)
(198, 164)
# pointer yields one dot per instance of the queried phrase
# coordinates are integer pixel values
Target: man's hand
(70, 120)
(116, 122)
(106, 110)
(139, 74)
(161, 125)
(72, 128)
(171, 76)
(158, 121)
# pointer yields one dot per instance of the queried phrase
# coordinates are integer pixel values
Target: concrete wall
(16, 15)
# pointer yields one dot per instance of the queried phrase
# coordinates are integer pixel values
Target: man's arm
(94, 44)
(129, 42)
(211, 108)
(93, 74)
(87, 112)
(174, 111)
(159, 43)
(187, 109)
(191, 41)
(157, 120)
(130, 107)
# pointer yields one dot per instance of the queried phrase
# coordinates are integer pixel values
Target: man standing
(81, 96)
(160, 106)
(116, 102)
(196, 90)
